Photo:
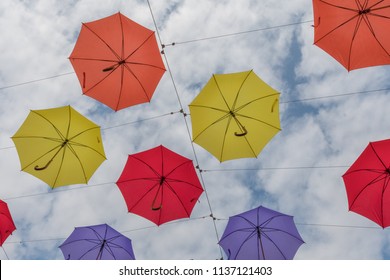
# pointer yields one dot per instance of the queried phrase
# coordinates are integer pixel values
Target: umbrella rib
(210, 125)
(104, 42)
(260, 121)
(95, 85)
(239, 90)
(139, 82)
(55, 128)
(338, 26)
(255, 100)
(178, 198)
(252, 234)
(385, 184)
(143, 43)
(120, 89)
(220, 92)
(338, 6)
(375, 180)
(367, 21)
(88, 147)
(373, 149)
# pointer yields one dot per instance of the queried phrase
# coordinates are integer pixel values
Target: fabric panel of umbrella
(117, 61)
(354, 32)
(59, 146)
(98, 242)
(7, 225)
(160, 185)
(261, 234)
(235, 115)
(367, 183)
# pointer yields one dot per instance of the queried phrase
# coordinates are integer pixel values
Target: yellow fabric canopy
(59, 146)
(235, 115)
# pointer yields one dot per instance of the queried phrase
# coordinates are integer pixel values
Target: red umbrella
(160, 185)
(117, 61)
(354, 32)
(7, 225)
(367, 183)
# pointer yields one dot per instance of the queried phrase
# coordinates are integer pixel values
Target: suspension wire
(5, 253)
(59, 190)
(334, 96)
(276, 168)
(37, 80)
(188, 130)
(237, 33)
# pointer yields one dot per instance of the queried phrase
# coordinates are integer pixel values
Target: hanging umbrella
(367, 183)
(59, 146)
(354, 32)
(159, 185)
(261, 234)
(235, 115)
(99, 242)
(117, 61)
(7, 225)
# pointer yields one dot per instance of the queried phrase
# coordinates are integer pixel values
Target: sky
(328, 116)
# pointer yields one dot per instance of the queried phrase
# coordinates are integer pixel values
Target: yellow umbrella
(235, 115)
(59, 146)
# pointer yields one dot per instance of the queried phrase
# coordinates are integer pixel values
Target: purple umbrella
(261, 234)
(99, 242)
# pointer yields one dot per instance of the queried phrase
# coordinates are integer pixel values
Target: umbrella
(367, 183)
(99, 242)
(159, 185)
(117, 61)
(261, 234)
(354, 32)
(235, 115)
(7, 225)
(59, 146)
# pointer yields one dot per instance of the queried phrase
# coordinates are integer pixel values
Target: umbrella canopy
(117, 61)
(59, 146)
(354, 32)
(367, 183)
(235, 115)
(7, 225)
(261, 234)
(99, 242)
(160, 185)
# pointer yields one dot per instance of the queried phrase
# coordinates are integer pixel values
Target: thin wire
(276, 168)
(34, 81)
(142, 120)
(335, 95)
(237, 33)
(186, 123)
(6, 255)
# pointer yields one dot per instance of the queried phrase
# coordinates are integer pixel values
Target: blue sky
(37, 38)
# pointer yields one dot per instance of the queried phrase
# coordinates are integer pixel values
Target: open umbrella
(59, 146)
(99, 242)
(261, 234)
(235, 115)
(354, 32)
(7, 225)
(367, 183)
(117, 61)
(159, 185)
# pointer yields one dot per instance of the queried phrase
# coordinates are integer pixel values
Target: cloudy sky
(328, 116)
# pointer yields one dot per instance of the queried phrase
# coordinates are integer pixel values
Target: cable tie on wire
(184, 113)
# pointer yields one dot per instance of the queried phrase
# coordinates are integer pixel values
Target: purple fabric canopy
(261, 234)
(99, 242)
